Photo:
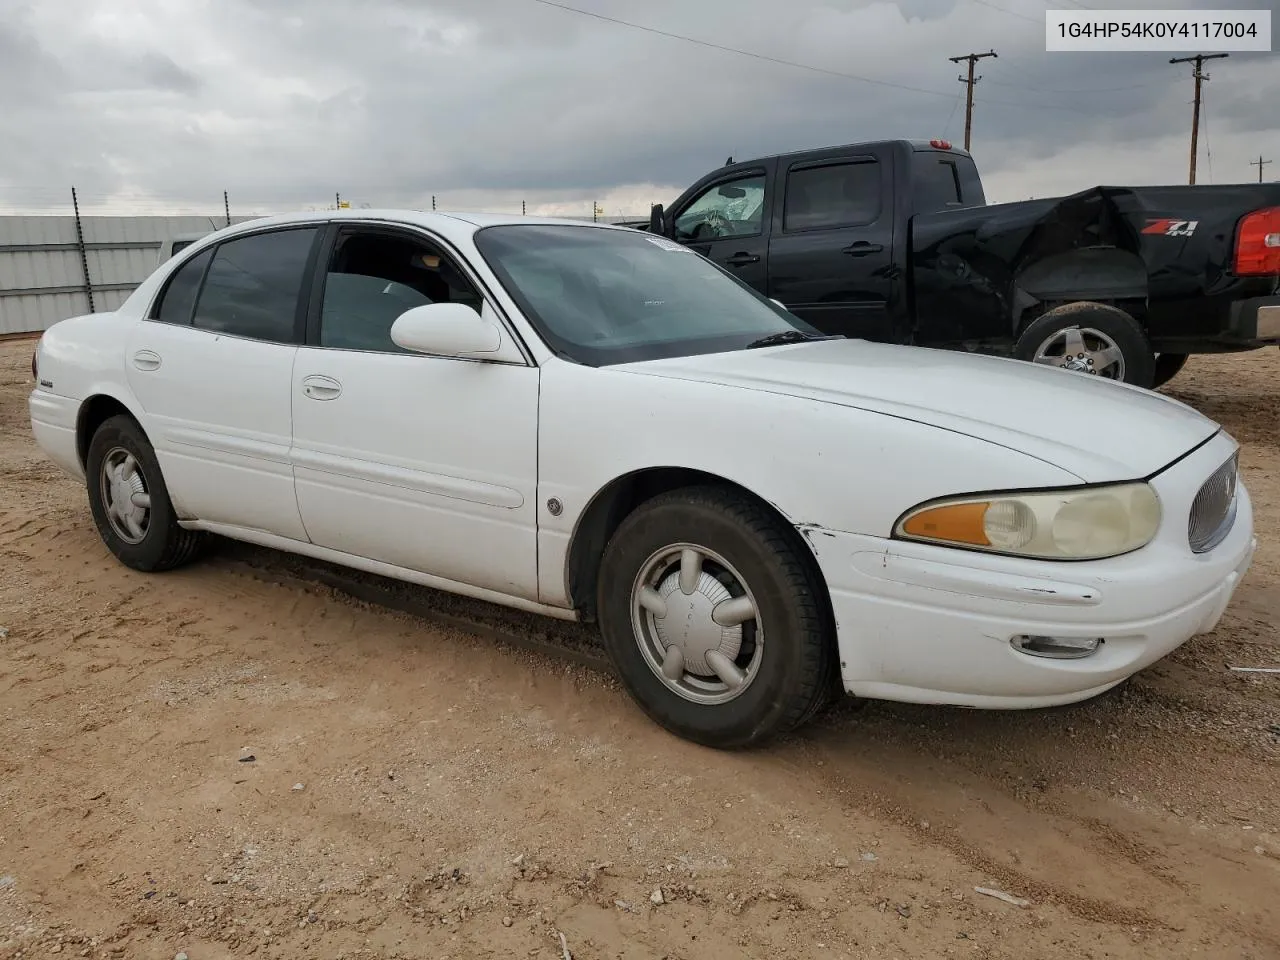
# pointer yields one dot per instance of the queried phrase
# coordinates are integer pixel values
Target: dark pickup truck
(894, 241)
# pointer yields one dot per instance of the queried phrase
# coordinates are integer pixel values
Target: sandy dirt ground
(420, 791)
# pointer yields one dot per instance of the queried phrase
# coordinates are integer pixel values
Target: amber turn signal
(955, 522)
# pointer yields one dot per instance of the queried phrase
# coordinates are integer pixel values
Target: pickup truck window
(942, 180)
(734, 208)
(832, 195)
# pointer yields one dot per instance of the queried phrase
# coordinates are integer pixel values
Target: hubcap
(697, 624)
(125, 495)
(1083, 350)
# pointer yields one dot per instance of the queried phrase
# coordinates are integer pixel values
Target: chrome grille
(1214, 509)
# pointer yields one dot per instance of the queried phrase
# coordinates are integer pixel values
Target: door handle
(317, 387)
(146, 360)
(862, 248)
(742, 259)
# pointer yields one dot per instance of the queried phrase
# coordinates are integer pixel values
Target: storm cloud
(160, 105)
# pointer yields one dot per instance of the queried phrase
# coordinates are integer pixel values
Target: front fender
(821, 465)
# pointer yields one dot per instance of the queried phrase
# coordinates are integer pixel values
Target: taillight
(35, 367)
(1258, 244)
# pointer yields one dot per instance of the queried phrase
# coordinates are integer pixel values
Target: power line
(739, 52)
(1012, 13)
(791, 63)
(1084, 93)
(946, 127)
(972, 59)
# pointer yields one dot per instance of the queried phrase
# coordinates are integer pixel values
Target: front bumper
(928, 624)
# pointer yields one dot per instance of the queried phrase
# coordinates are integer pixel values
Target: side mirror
(447, 330)
(657, 218)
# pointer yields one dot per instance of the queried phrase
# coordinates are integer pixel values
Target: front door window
(731, 209)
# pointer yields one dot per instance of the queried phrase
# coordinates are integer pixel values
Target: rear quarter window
(942, 181)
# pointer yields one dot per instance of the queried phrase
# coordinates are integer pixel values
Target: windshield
(602, 296)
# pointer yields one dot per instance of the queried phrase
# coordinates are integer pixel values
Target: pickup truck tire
(1091, 338)
(748, 653)
(1168, 365)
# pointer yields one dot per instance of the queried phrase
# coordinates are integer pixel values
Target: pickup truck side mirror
(657, 220)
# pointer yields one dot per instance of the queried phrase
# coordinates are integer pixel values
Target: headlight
(1082, 524)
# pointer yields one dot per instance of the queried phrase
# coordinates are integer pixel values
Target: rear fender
(1097, 274)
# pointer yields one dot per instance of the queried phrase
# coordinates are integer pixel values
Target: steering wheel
(715, 223)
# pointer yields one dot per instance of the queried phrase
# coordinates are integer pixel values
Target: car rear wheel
(130, 502)
(1095, 339)
(716, 618)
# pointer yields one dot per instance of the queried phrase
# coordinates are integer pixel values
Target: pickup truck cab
(894, 241)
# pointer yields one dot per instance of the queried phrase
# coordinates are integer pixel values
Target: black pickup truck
(894, 241)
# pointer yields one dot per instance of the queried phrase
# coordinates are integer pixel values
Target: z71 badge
(1171, 228)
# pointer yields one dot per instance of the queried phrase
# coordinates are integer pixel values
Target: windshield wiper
(789, 336)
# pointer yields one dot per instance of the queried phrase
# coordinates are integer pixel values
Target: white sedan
(594, 423)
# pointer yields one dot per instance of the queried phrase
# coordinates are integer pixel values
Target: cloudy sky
(154, 106)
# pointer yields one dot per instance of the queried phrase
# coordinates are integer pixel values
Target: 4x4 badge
(1172, 228)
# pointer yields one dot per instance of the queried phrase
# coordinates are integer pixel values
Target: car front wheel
(716, 618)
(130, 502)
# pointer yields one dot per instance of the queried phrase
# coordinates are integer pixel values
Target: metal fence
(54, 267)
(57, 267)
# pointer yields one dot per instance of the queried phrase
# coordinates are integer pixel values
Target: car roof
(451, 225)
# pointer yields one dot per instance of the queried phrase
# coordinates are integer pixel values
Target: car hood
(1099, 430)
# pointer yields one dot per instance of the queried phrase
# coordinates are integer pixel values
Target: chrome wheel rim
(697, 624)
(1083, 350)
(125, 495)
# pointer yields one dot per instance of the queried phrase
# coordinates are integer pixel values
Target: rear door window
(253, 285)
(832, 195)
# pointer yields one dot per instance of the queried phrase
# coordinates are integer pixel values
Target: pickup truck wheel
(1168, 366)
(714, 618)
(1090, 338)
(130, 502)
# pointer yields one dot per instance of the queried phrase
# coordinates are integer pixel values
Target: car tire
(1102, 331)
(781, 653)
(121, 465)
(1168, 366)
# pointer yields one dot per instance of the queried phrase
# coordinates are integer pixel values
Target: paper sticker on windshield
(666, 244)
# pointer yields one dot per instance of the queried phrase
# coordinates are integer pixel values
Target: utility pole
(1199, 75)
(973, 58)
(226, 207)
(1259, 163)
(337, 201)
